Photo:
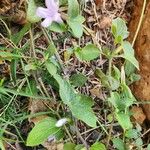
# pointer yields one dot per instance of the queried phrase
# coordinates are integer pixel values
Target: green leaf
(30, 66)
(79, 147)
(85, 103)
(118, 143)
(116, 73)
(57, 27)
(76, 25)
(51, 68)
(139, 143)
(98, 146)
(129, 68)
(69, 146)
(31, 12)
(73, 8)
(41, 131)
(2, 147)
(89, 52)
(116, 101)
(19, 35)
(132, 134)
(8, 55)
(129, 54)
(77, 28)
(21, 93)
(78, 79)
(148, 147)
(119, 30)
(124, 120)
(77, 103)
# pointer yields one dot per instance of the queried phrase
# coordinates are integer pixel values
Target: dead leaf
(105, 22)
(53, 145)
(36, 106)
(98, 2)
(138, 114)
(96, 91)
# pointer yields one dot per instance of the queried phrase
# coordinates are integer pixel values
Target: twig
(140, 23)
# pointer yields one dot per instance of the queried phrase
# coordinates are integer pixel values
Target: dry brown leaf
(96, 92)
(138, 114)
(36, 106)
(53, 145)
(105, 22)
(98, 2)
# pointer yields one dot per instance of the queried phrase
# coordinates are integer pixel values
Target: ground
(32, 89)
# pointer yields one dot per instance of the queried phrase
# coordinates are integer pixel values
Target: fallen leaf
(138, 114)
(53, 145)
(36, 106)
(98, 2)
(105, 22)
(96, 92)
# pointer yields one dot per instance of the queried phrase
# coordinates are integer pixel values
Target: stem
(110, 66)
(49, 39)
(140, 23)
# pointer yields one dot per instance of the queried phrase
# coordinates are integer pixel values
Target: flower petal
(47, 22)
(42, 12)
(57, 18)
(52, 4)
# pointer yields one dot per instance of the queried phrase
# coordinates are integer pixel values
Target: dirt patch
(142, 50)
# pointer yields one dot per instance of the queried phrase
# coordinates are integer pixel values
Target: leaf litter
(99, 16)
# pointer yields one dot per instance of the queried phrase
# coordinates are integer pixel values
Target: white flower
(50, 13)
(51, 138)
(61, 122)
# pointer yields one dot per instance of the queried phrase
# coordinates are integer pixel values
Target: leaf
(19, 35)
(138, 114)
(78, 80)
(89, 52)
(129, 54)
(41, 131)
(116, 101)
(116, 73)
(30, 66)
(73, 8)
(2, 147)
(98, 146)
(85, 103)
(69, 146)
(148, 147)
(31, 12)
(129, 68)
(21, 93)
(139, 143)
(76, 27)
(57, 27)
(8, 55)
(124, 120)
(132, 134)
(13, 69)
(118, 143)
(119, 30)
(77, 103)
(51, 68)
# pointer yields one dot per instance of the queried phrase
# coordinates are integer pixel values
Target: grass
(43, 74)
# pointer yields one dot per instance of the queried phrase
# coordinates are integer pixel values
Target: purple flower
(50, 13)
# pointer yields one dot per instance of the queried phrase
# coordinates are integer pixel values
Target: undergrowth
(40, 74)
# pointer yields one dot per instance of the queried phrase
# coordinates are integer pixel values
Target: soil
(141, 88)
